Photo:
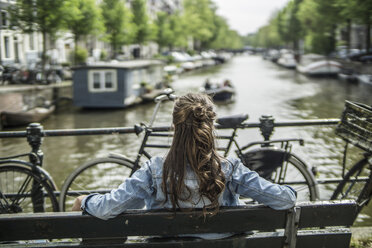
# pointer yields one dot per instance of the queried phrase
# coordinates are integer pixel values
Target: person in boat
(192, 175)
(207, 84)
(227, 83)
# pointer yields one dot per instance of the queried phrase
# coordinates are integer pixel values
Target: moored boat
(287, 60)
(348, 75)
(365, 78)
(318, 65)
(21, 118)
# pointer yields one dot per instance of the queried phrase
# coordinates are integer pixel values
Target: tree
(83, 18)
(42, 16)
(361, 12)
(117, 21)
(198, 15)
(319, 19)
(145, 31)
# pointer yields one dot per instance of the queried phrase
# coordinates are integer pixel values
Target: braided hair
(194, 145)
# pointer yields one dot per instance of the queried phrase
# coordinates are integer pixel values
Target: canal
(263, 88)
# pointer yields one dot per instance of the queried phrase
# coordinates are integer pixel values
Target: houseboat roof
(129, 64)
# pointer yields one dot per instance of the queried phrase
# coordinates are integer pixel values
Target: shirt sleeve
(129, 195)
(249, 184)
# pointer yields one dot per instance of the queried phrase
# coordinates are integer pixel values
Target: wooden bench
(309, 224)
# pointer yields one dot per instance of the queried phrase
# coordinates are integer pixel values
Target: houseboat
(116, 84)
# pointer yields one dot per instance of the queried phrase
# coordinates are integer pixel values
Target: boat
(22, 118)
(116, 84)
(318, 65)
(287, 60)
(348, 75)
(224, 92)
(365, 78)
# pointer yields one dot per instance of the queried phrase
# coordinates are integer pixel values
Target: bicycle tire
(297, 174)
(96, 176)
(349, 188)
(18, 183)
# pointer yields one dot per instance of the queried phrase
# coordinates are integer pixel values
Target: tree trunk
(43, 56)
(75, 48)
(368, 35)
(348, 35)
(333, 39)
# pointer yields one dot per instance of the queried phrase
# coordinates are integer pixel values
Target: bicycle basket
(355, 126)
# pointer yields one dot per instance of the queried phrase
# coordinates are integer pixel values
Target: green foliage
(83, 17)
(117, 20)
(314, 21)
(144, 30)
(103, 55)
(42, 16)
(80, 55)
(37, 15)
(198, 15)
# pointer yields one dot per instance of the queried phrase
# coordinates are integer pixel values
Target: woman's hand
(77, 203)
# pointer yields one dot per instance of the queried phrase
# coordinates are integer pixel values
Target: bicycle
(276, 163)
(355, 128)
(24, 185)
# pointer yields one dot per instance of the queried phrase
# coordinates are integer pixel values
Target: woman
(193, 174)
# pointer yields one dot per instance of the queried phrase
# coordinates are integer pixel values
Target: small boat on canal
(23, 118)
(318, 65)
(224, 92)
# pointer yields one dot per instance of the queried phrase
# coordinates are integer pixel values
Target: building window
(4, 19)
(31, 41)
(7, 47)
(102, 80)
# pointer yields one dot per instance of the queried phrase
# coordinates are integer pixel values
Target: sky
(246, 16)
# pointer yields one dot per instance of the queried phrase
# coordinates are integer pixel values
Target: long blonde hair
(194, 145)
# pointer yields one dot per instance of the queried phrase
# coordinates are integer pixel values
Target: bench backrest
(164, 223)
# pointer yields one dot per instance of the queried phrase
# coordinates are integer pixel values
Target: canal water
(263, 88)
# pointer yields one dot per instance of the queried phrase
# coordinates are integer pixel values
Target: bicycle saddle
(232, 121)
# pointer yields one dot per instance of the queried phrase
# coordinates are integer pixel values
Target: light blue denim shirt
(143, 190)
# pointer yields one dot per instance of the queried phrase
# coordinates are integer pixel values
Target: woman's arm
(129, 195)
(249, 184)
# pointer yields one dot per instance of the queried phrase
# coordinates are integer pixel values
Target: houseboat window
(102, 80)
(96, 80)
(108, 80)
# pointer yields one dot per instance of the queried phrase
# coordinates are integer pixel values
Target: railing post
(34, 139)
(267, 126)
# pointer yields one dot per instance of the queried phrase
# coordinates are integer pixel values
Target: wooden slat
(327, 213)
(75, 225)
(306, 239)
(146, 223)
(339, 238)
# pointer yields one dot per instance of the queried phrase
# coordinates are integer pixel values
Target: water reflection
(262, 88)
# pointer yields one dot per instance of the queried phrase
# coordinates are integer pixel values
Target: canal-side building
(15, 46)
(25, 49)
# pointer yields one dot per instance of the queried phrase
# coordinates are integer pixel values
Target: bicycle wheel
(24, 191)
(281, 167)
(97, 176)
(355, 184)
